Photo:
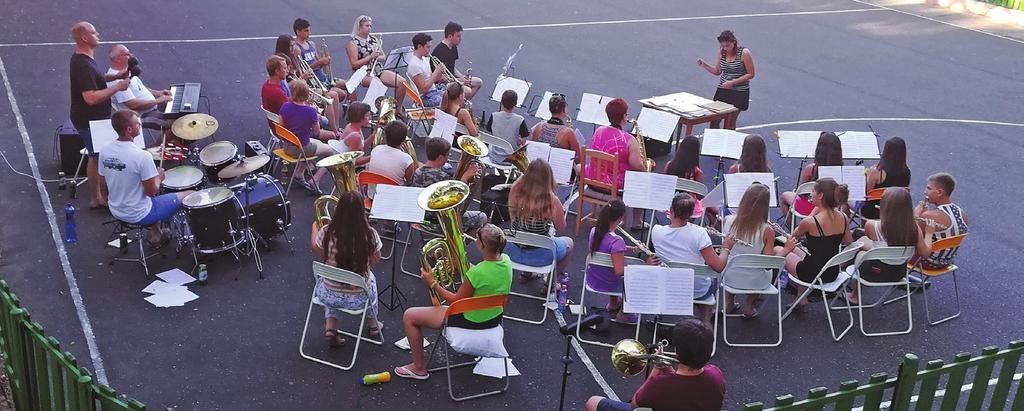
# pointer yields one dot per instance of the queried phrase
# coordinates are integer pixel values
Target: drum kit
(222, 214)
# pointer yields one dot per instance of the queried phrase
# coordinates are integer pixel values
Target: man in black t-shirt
(448, 51)
(90, 98)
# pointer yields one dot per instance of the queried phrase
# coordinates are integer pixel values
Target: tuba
(518, 158)
(472, 151)
(647, 162)
(386, 107)
(343, 169)
(630, 357)
(445, 257)
(323, 207)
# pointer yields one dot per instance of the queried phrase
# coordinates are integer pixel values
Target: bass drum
(214, 219)
(268, 210)
(182, 178)
(216, 156)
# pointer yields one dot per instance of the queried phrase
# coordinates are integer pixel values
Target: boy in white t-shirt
(390, 160)
(429, 83)
(681, 241)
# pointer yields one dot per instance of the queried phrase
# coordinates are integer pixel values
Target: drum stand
(250, 235)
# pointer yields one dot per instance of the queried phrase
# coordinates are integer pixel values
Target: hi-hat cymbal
(196, 126)
(244, 166)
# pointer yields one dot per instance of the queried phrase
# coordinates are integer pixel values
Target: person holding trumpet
(448, 51)
(429, 83)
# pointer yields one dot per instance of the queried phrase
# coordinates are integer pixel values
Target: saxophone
(648, 163)
(445, 257)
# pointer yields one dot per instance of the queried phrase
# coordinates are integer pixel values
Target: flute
(782, 231)
(931, 223)
(640, 246)
(717, 233)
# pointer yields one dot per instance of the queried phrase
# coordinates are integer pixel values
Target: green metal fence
(41, 375)
(1010, 4)
(916, 389)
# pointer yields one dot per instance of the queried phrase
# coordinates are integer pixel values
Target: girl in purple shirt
(604, 240)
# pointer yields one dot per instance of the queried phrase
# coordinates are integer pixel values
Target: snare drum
(269, 212)
(215, 156)
(182, 178)
(214, 219)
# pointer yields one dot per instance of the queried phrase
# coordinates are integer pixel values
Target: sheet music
(658, 290)
(737, 183)
(508, 63)
(715, 197)
(719, 142)
(651, 191)
(859, 145)
(444, 125)
(397, 203)
(103, 133)
(657, 124)
(543, 111)
(797, 144)
(376, 89)
(521, 87)
(852, 176)
(357, 77)
(561, 161)
(592, 109)
(537, 149)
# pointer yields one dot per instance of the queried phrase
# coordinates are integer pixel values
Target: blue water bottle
(70, 230)
(563, 292)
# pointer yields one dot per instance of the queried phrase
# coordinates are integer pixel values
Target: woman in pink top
(612, 139)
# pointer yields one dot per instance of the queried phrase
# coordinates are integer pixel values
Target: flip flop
(405, 373)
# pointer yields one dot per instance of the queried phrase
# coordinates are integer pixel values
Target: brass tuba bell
(519, 160)
(445, 257)
(386, 107)
(473, 149)
(630, 357)
(343, 169)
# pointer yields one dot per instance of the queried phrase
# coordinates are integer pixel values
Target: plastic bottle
(203, 275)
(563, 292)
(70, 229)
(371, 379)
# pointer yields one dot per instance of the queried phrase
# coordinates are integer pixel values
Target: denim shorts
(612, 405)
(537, 256)
(164, 207)
(334, 301)
(86, 135)
(433, 96)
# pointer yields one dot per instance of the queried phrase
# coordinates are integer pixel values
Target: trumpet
(445, 257)
(448, 75)
(639, 245)
(630, 357)
(782, 234)
(717, 233)
(647, 162)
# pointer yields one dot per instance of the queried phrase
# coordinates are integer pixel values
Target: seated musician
(891, 171)
(694, 384)
(389, 159)
(612, 139)
(753, 156)
(306, 49)
(454, 102)
(365, 49)
(448, 51)
(826, 230)
(274, 94)
(946, 213)
(750, 225)
(286, 49)
(507, 126)
(896, 228)
(429, 83)
(299, 116)
(686, 164)
(351, 136)
(133, 181)
(681, 241)
(603, 239)
(433, 171)
(555, 131)
(492, 276)
(143, 100)
(828, 152)
(535, 209)
(349, 243)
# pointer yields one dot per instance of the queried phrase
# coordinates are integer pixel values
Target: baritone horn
(343, 169)
(630, 357)
(386, 107)
(445, 257)
(323, 209)
(519, 160)
(472, 151)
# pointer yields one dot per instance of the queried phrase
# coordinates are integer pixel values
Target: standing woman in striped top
(735, 69)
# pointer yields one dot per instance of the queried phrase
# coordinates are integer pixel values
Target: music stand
(723, 144)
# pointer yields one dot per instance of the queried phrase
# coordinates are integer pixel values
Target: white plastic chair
(737, 280)
(539, 241)
(683, 185)
(845, 256)
(897, 256)
(600, 260)
(345, 277)
(492, 141)
(699, 270)
(795, 217)
(444, 337)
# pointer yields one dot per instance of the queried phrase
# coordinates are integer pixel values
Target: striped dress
(732, 70)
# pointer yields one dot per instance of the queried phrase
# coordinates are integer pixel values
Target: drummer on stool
(133, 180)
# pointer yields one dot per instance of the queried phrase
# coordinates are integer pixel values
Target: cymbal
(244, 166)
(196, 126)
(337, 159)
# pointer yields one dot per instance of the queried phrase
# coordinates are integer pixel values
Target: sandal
(333, 339)
(406, 373)
(375, 331)
(611, 310)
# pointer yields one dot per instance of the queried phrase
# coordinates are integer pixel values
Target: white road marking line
(903, 119)
(483, 28)
(608, 391)
(76, 295)
(989, 33)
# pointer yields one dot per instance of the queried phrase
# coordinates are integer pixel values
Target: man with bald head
(90, 98)
(143, 100)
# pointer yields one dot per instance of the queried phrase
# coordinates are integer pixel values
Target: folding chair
(272, 141)
(503, 169)
(887, 255)
(600, 260)
(345, 277)
(795, 217)
(699, 270)
(287, 159)
(928, 275)
(845, 256)
(364, 179)
(685, 185)
(445, 335)
(739, 278)
(596, 191)
(539, 241)
(419, 113)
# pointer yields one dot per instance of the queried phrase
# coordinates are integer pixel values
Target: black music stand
(396, 298)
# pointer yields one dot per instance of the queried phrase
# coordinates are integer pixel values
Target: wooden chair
(459, 307)
(596, 191)
(287, 159)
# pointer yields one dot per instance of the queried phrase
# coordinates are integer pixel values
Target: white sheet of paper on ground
(657, 124)
(493, 367)
(444, 125)
(543, 111)
(737, 183)
(176, 277)
(103, 133)
(116, 243)
(356, 79)
(650, 191)
(376, 89)
(175, 297)
(157, 287)
(397, 203)
(404, 343)
(521, 87)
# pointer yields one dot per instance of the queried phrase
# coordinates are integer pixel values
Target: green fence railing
(916, 389)
(1010, 4)
(41, 375)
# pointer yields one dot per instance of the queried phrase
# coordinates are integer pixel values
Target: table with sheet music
(691, 109)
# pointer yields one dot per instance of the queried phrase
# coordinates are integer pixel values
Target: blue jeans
(164, 207)
(538, 256)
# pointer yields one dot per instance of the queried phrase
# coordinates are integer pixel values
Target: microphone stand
(566, 361)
